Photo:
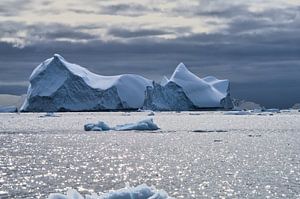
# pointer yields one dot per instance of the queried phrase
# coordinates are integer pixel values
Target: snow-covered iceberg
(139, 192)
(57, 85)
(185, 91)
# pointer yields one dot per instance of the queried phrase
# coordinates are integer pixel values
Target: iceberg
(185, 91)
(139, 192)
(57, 85)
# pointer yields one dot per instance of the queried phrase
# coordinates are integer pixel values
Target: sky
(255, 44)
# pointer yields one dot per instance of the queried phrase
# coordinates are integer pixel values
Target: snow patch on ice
(139, 192)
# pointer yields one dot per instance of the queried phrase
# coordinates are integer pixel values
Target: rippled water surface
(251, 156)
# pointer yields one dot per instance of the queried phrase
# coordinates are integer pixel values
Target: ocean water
(193, 155)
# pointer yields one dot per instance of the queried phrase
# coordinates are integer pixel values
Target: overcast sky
(255, 44)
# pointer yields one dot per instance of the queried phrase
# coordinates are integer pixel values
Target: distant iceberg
(139, 192)
(57, 85)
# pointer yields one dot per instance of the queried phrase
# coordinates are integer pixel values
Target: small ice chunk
(139, 192)
(100, 126)
(142, 125)
(49, 114)
(151, 113)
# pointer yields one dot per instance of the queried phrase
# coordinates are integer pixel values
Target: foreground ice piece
(139, 192)
(57, 85)
(142, 125)
(8, 109)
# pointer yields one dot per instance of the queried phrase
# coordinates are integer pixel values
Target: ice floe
(143, 125)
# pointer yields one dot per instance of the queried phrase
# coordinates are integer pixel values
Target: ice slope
(167, 97)
(204, 93)
(57, 85)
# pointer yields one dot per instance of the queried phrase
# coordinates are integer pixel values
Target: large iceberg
(57, 85)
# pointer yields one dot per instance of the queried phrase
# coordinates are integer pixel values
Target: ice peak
(181, 66)
(58, 57)
(180, 70)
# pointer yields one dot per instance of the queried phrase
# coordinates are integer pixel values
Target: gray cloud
(127, 9)
(257, 51)
(125, 33)
(13, 7)
(123, 9)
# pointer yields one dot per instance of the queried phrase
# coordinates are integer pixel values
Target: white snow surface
(139, 192)
(143, 125)
(204, 93)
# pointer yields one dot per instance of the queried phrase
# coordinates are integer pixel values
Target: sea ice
(139, 192)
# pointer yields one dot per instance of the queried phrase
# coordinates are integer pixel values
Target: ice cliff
(57, 85)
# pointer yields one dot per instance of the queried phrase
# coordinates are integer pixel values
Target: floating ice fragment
(142, 125)
(49, 114)
(100, 126)
(209, 131)
(237, 113)
(151, 113)
(139, 192)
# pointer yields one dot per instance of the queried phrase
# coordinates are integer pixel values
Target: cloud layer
(254, 44)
